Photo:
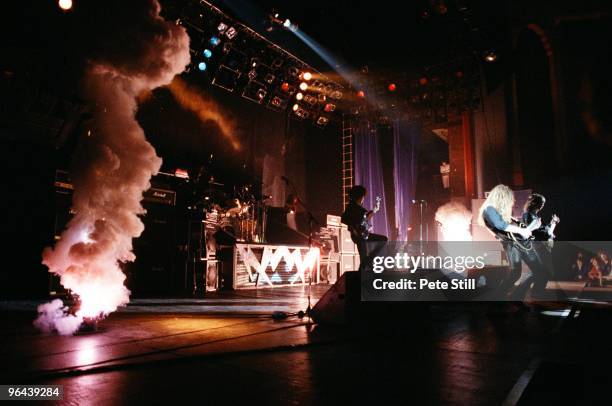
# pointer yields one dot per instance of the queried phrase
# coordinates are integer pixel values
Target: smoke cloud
(455, 220)
(113, 167)
(205, 109)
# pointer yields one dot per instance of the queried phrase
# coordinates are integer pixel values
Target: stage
(227, 348)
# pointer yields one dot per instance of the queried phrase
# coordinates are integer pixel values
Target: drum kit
(241, 217)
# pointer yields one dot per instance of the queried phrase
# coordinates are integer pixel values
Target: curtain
(369, 172)
(405, 148)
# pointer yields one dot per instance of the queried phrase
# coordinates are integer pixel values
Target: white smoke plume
(114, 167)
(455, 220)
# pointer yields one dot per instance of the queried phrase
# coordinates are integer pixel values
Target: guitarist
(356, 217)
(531, 212)
(496, 215)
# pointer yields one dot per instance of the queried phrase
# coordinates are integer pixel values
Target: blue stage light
(202, 66)
(215, 41)
(207, 53)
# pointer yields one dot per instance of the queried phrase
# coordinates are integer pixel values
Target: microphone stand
(311, 221)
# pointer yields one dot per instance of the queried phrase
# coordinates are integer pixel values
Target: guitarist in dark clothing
(495, 214)
(356, 217)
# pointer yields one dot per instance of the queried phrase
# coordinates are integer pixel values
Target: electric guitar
(546, 234)
(362, 231)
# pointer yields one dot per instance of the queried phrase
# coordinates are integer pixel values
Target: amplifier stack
(344, 258)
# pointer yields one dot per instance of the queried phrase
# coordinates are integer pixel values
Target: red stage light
(285, 87)
(392, 87)
(361, 94)
(459, 74)
(423, 81)
(329, 107)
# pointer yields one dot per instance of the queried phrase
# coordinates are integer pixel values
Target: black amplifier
(160, 196)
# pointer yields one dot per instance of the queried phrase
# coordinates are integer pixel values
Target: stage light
(65, 4)
(207, 53)
(336, 94)
(276, 102)
(296, 107)
(423, 81)
(392, 87)
(303, 86)
(181, 173)
(321, 97)
(299, 96)
(231, 32)
(293, 71)
(459, 74)
(222, 27)
(310, 99)
(307, 76)
(329, 107)
(202, 66)
(214, 41)
(322, 121)
(287, 23)
(361, 94)
(261, 93)
(285, 87)
(490, 56)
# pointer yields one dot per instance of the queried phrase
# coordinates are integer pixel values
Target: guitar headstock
(377, 205)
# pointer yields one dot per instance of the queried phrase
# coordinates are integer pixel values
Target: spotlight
(276, 102)
(65, 4)
(322, 121)
(490, 56)
(423, 81)
(207, 53)
(336, 94)
(231, 32)
(202, 66)
(310, 99)
(293, 71)
(329, 107)
(299, 96)
(361, 94)
(392, 87)
(296, 107)
(303, 86)
(269, 78)
(307, 76)
(287, 23)
(222, 27)
(261, 93)
(214, 41)
(285, 87)
(301, 113)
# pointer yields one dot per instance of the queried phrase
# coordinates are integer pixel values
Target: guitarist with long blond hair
(496, 215)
